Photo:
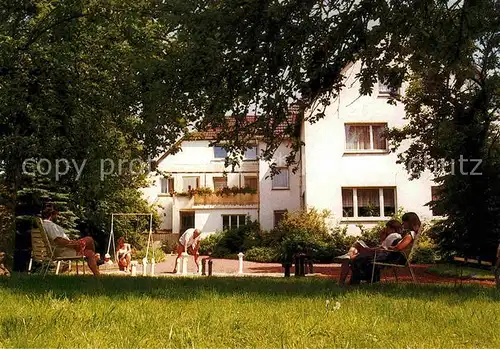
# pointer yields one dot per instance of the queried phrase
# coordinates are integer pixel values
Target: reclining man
(66, 247)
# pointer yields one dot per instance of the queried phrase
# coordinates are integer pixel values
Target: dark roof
(292, 119)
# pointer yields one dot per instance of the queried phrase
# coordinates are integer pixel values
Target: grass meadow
(119, 312)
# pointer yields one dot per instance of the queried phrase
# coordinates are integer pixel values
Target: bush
(160, 256)
(307, 231)
(426, 250)
(208, 244)
(262, 254)
(423, 255)
(230, 242)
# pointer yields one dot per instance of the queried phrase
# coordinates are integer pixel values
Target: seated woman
(363, 267)
(124, 253)
(390, 235)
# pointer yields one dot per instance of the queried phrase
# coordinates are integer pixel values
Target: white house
(198, 165)
(348, 168)
(345, 167)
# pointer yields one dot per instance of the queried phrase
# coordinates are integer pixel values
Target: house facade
(348, 167)
(345, 167)
(201, 166)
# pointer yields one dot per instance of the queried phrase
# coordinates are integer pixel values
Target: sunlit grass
(69, 312)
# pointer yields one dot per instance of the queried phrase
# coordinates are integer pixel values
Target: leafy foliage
(452, 109)
(262, 254)
(308, 231)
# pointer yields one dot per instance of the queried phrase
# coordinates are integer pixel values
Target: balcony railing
(238, 199)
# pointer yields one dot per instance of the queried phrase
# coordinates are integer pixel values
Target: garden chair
(43, 251)
(406, 257)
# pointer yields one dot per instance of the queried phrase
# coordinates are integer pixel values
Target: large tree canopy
(120, 79)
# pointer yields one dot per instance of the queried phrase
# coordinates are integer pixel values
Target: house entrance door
(187, 220)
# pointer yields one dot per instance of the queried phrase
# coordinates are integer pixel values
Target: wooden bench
(477, 263)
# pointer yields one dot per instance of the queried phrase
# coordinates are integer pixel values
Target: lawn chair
(43, 251)
(406, 255)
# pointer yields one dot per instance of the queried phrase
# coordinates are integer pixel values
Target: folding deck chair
(406, 256)
(43, 251)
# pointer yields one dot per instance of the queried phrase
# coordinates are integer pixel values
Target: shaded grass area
(451, 270)
(68, 312)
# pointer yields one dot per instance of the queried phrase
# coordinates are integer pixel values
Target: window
(365, 137)
(280, 180)
(252, 182)
(187, 220)
(389, 202)
(250, 153)
(347, 203)
(220, 182)
(189, 183)
(436, 211)
(384, 89)
(167, 185)
(368, 202)
(278, 216)
(233, 221)
(219, 152)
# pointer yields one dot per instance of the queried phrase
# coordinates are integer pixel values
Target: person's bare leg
(89, 243)
(180, 249)
(91, 261)
(196, 255)
(128, 259)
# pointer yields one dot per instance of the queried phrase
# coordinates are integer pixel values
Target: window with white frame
(278, 216)
(219, 152)
(220, 182)
(250, 153)
(167, 185)
(368, 202)
(366, 137)
(281, 179)
(251, 182)
(233, 221)
(189, 183)
(385, 89)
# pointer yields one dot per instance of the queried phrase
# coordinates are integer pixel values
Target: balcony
(238, 199)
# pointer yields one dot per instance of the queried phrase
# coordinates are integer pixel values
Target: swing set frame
(112, 234)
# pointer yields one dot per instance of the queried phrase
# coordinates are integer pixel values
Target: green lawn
(466, 272)
(71, 312)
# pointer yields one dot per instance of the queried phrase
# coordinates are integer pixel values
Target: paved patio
(229, 267)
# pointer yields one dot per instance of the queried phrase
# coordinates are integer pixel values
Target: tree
(67, 91)
(452, 107)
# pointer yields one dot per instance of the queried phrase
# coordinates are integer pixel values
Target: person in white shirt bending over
(189, 242)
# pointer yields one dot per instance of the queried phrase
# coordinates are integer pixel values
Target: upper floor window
(281, 179)
(361, 137)
(220, 182)
(368, 202)
(385, 89)
(251, 153)
(252, 182)
(167, 185)
(190, 183)
(219, 152)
